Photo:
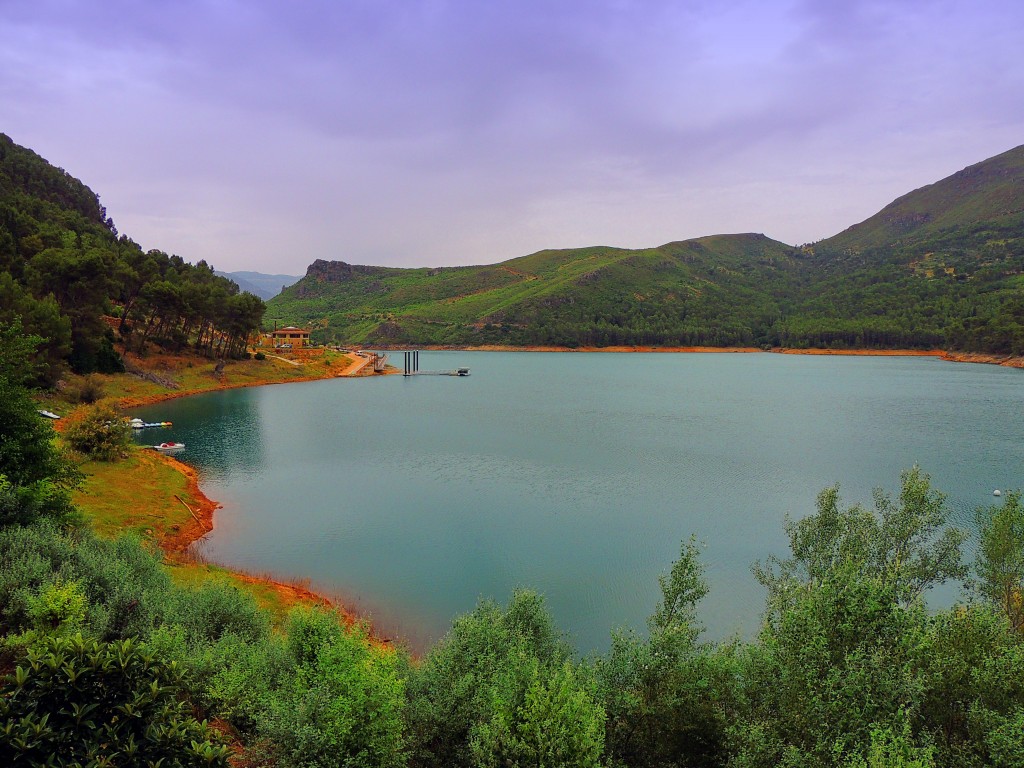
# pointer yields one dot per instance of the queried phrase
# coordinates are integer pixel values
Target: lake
(577, 474)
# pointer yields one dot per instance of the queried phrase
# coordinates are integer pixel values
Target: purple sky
(263, 135)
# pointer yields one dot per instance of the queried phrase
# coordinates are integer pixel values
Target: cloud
(266, 135)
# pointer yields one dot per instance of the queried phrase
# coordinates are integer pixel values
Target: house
(290, 337)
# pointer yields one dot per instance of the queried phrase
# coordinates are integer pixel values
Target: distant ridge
(260, 284)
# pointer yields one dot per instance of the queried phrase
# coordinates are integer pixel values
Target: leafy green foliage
(35, 477)
(102, 434)
(471, 688)
(666, 696)
(343, 702)
(1000, 563)
(74, 702)
(836, 664)
(972, 688)
(905, 543)
(557, 724)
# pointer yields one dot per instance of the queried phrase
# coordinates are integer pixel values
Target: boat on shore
(169, 447)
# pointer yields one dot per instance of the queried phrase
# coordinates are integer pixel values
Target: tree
(1000, 563)
(555, 724)
(343, 703)
(665, 695)
(102, 434)
(841, 674)
(906, 543)
(479, 672)
(35, 477)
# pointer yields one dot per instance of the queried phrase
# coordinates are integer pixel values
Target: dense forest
(105, 661)
(64, 268)
(941, 267)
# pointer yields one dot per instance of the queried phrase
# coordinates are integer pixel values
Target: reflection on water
(576, 474)
(222, 435)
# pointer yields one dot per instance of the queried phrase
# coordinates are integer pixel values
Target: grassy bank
(157, 498)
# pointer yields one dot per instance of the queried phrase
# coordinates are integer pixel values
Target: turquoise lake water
(577, 474)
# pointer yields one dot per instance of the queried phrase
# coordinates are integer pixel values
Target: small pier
(412, 367)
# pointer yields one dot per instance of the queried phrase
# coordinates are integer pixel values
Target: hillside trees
(65, 268)
(1000, 565)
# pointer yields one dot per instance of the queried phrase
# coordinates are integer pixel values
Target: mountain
(989, 193)
(260, 284)
(940, 266)
(710, 290)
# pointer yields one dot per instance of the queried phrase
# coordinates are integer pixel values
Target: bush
(214, 610)
(86, 390)
(343, 703)
(75, 702)
(101, 435)
(259, 356)
(127, 590)
(468, 699)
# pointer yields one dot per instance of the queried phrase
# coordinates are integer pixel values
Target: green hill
(712, 290)
(940, 266)
(944, 263)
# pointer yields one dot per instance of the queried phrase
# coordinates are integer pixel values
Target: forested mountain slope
(941, 266)
(63, 267)
(944, 262)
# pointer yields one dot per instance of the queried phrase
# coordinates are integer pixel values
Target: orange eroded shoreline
(203, 519)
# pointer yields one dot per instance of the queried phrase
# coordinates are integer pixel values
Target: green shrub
(101, 435)
(259, 356)
(343, 703)
(128, 593)
(87, 390)
(214, 610)
(71, 701)
(22, 505)
(478, 675)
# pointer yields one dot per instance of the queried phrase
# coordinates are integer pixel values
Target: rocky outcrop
(339, 271)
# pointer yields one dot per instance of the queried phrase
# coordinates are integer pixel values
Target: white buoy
(997, 492)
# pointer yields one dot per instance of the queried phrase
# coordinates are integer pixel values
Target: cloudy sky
(263, 135)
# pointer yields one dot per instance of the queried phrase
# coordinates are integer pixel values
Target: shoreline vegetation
(177, 536)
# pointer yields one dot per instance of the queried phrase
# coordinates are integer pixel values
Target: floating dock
(412, 367)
